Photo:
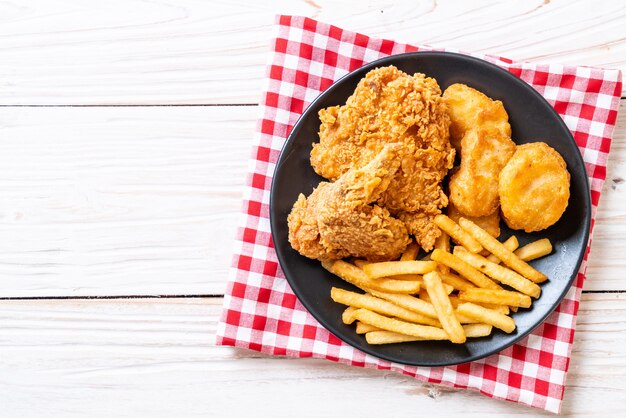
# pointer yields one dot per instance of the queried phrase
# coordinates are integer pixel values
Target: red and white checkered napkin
(260, 310)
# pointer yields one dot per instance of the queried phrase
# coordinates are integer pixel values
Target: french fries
(464, 269)
(375, 304)
(390, 324)
(498, 297)
(354, 275)
(487, 316)
(443, 243)
(456, 282)
(410, 253)
(500, 251)
(443, 307)
(534, 250)
(411, 303)
(393, 268)
(511, 244)
(457, 233)
(348, 315)
(362, 328)
(446, 295)
(501, 274)
(389, 337)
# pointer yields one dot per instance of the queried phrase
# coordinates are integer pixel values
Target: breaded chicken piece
(389, 106)
(469, 108)
(338, 220)
(474, 186)
(534, 187)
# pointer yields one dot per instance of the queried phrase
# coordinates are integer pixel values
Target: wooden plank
(605, 270)
(141, 52)
(120, 201)
(157, 358)
(145, 201)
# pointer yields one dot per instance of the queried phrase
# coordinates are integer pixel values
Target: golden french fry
(464, 269)
(503, 309)
(456, 282)
(443, 243)
(361, 263)
(375, 304)
(410, 253)
(389, 337)
(354, 275)
(477, 330)
(498, 297)
(500, 251)
(535, 249)
(500, 273)
(457, 234)
(484, 315)
(443, 307)
(392, 268)
(362, 328)
(408, 302)
(348, 315)
(389, 324)
(511, 244)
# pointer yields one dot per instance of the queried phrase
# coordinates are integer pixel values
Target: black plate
(532, 119)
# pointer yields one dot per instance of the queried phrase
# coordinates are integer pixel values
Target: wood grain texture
(189, 51)
(115, 201)
(145, 201)
(157, 358)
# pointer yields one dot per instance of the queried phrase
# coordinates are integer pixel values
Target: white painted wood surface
(120, 200)
(157, 358)
(143, 200)
(192, 51)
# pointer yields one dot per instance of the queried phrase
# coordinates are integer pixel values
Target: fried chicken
(469, 108)
(338, 220)
(534, 187)
(474, 186)
(390, 106)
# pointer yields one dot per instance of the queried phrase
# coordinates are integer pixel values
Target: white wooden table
(125, 128)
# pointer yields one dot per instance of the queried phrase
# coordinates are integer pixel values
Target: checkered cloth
(260, 310)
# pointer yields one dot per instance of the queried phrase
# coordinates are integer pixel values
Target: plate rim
(388, 60)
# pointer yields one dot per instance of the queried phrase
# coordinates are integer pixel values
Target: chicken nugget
(474, 186)
(468, 108)
(534, 187)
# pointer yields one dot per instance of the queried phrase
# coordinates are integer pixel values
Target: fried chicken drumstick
(338, 220)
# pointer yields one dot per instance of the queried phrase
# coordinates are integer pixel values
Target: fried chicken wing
(474, 186)
(390, 106)
(534, 187)
(469, 108)
(338, 220)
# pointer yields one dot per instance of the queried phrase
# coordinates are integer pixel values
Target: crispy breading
(534, 187)
(388, 106)
(469, 108)
(338, 220)
(474, 186)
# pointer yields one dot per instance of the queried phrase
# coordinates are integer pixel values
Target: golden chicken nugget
(490, 223)
(469, 108)
(474, 186)
(534, 187)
